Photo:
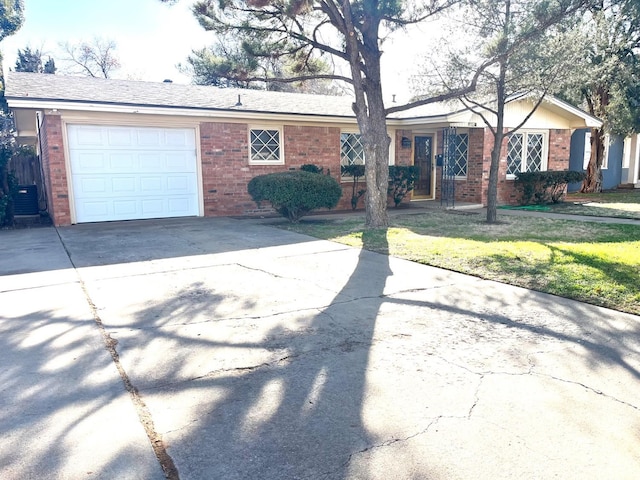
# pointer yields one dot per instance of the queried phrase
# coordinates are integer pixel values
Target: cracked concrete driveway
(225, 349)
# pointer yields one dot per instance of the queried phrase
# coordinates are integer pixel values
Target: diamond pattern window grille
(265, 145)
(514, 153)
(525, 152)
(351, 149)
(460, 154)
(534, 152)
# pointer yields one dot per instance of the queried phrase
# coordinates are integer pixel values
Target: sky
(152, 38)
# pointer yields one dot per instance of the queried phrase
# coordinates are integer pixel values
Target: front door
(422, 158)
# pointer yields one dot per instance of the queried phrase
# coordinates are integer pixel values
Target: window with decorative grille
(351, 149)
(526, 152)
(265, 146)
(460, 154)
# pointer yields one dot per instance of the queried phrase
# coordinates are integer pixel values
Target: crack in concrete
(320, 309)
(531, 372)
(388, 443)
(247, 368)
(476, 397)
(142, 410)
(589, 388)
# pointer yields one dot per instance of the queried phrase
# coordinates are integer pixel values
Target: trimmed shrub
(294, 194)
(310, 167)
(546, 187)
(402, 180)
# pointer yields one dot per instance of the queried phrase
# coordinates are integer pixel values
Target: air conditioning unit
(25, 201)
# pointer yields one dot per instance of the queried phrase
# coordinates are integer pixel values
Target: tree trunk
(364, 60)
(492, 190)
(592, 183)
(376, 171)
(498, 136)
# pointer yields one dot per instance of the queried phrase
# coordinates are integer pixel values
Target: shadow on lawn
(616, 280)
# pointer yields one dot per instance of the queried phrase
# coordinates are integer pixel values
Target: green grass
(618, 203)
(591, 262)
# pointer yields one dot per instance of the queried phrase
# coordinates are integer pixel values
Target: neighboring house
(630, 172)
(121, 150)
(613, 170)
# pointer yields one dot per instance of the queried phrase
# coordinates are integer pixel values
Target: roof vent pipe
(238, 103)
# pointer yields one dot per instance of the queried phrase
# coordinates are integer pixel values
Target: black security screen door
(448, 181)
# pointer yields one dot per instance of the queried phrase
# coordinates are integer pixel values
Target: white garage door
(127, 173)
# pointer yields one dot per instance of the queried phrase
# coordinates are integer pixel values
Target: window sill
(265, 162)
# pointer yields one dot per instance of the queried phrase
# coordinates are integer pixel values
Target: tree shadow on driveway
(282, 394)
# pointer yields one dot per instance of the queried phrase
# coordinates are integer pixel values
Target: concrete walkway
(225, 349)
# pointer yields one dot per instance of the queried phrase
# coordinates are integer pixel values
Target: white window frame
(626, 153)
(459, 133)
(587, 150)
(523, 163)
(349, 178)
(357, 132)
(271, 128)
(605, 155)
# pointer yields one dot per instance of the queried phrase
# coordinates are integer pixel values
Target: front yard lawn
(591, 262)
(617, 203)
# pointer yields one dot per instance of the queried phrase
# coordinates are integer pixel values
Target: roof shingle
(34, 86)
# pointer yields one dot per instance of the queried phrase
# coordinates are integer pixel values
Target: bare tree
(93, 59)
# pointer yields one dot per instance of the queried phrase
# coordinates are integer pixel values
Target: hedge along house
(123, 150)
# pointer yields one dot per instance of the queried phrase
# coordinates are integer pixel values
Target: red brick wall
(558, 159)
(55, 171)
(404, 156)
(469, 190)
(559, 146)
(474, 188)
(226, 170)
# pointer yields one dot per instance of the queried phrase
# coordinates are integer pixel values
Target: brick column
(55, 171)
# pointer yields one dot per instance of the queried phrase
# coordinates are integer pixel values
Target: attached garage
(127, 173)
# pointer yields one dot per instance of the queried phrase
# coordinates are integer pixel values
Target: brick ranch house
(123, 150)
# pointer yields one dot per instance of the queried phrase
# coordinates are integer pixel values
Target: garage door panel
(123, 162)
(91, 186)
(124, 185)
(179, 162)
(178, 184)
(152, 184)
(127, 208)
(149, 138)
(153, 206)
(125, 173)
(87, 162)
(179, 138)
(95, 209)
(119, 137)
(178, 204)
(88, 136)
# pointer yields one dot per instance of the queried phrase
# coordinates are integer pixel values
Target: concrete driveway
(226, 349)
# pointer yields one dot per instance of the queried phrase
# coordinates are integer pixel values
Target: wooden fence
(25, 165)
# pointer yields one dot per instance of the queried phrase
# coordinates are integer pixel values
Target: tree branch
(445, 96)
